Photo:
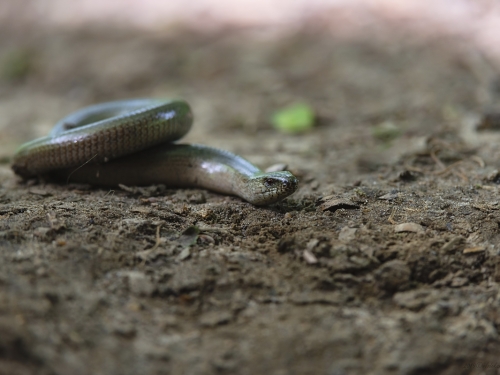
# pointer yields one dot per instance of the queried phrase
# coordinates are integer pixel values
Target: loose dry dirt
(386, 260)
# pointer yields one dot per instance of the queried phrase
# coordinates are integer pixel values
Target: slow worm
(130, 142)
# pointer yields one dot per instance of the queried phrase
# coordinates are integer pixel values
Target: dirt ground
(386, 260)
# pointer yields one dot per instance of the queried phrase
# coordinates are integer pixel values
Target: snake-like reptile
(130, 142)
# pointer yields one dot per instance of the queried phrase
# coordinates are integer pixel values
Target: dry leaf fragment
(333, 204)
(312, 244)
(475, 249)
(389, 196)
(41, 192)
(309, 257)
(408, 227)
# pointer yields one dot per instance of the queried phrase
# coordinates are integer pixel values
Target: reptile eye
(269, 182)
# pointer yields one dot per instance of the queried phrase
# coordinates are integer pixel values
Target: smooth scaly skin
(91, 145)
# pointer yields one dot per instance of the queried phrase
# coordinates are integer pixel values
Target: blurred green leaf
(297, 118)
(386, 132)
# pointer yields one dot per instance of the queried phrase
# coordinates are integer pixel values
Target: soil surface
(386, 260)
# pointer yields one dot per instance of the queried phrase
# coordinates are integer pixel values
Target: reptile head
(271, 187)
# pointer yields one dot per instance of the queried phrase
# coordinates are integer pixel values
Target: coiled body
(129, 142)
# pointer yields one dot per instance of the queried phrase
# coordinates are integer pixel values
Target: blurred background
(477, 21)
